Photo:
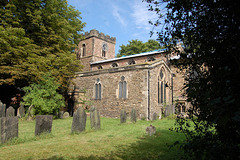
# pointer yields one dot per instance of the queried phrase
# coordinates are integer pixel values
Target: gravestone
(79, 120)
(65, 115)
(2, 109)
(123, 116)
(60, 114)
(133, 115)
(154, 117)
(150, 130)
(43, 124)
(10, 112)
(8, 128)
(21, 111)
(95, 118)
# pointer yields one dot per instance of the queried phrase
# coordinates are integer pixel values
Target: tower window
(83, 50)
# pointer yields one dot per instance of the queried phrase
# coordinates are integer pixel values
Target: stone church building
(146, 81)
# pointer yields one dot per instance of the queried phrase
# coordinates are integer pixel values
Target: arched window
(114, 65)
(83, 50)
(161, 87)
(122, 88)
(151, 58)
(98, 90)
(99, 67)
(130, 62)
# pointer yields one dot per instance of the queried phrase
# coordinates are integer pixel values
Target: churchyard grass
(112, 141)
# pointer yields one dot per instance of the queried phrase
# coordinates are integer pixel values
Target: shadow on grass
(146, 148)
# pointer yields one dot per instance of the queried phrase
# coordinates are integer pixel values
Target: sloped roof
(131, 56)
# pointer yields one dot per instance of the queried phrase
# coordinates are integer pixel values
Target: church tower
(95, 47)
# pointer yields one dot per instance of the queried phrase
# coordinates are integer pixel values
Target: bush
(43, 96)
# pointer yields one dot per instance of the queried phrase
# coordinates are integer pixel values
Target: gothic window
(131, 62)
(83, 50)
(98, 90)
(161, 87)
(122, 88)
(180, 108)
(114, 65)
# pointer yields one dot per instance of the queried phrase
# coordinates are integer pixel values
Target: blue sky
(124, 19)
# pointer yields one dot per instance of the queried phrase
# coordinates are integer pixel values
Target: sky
(124, 19)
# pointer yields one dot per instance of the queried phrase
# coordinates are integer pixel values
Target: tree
(38, 37)
(136, 46)
(43, 96)
(209, 30)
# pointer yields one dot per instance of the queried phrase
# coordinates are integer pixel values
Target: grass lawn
(113, 141)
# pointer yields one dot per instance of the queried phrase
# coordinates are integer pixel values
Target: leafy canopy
(43, 96)
(136, 46)
(37, 37)
(209, 30)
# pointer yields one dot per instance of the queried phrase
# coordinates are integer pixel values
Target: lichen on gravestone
(21, 111)
(8, 128)
(154, 117)
(10, 112)
(95, 118)
(2, 109)
(123, 116)
(79, 120)
(43, 124)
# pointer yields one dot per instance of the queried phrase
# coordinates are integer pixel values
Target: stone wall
(110, 104)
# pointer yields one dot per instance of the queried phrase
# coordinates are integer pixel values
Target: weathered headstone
(9, 128)
(79, 120)
(60, 114)
(123, 116)
(150, 130)
(95, 118)
(2, 109)
(10, 112)
(43, 124)
(21, 111)
(65, 115)
(154, 116)
(133, 115)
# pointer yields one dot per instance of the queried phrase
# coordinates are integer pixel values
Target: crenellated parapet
(95, 33)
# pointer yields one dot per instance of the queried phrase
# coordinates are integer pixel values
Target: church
(145, 81)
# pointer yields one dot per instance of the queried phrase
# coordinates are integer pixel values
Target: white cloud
(142, 16)
(118, 16)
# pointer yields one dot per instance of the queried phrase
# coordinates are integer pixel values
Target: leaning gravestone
(79, 120)
(2, 109)
(123, 116)
(10, 112)
(9, 128)
(21, 111)
(43, 124)
(133, 115)
(95, 118)
(150, 130)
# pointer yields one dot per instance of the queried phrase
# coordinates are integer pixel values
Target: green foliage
(136, 46)
(37, 37)
(210, 33)
(43, 96)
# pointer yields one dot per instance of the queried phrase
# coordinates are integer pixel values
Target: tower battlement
(95, 33)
